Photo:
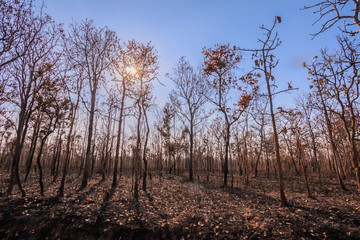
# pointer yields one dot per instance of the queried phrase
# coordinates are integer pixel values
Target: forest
(87, 153)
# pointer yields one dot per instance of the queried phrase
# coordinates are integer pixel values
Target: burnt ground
(177, 209)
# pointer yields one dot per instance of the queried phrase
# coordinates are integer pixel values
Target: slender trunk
(56, 149)
(332, 142)
(137, 154)
(34, 139)
(300, 157)
(267, 165)
(289, 146)
(122, 148)
(105, 159)
(226, 160)
(58, 155)
(17, 153)
(93, 159)
(314, 150)
(283, 201)
(144, 150)
(258, 155)
(191, 136)
(38, 161)
(68, 143)
(118, 137)
(246, 164)
(354, 152)
(87, 169)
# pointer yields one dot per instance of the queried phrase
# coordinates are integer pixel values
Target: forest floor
(177, 209)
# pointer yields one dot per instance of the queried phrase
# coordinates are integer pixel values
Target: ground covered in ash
(174, 208)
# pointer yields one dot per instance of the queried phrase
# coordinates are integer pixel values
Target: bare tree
(28, 75)
(307, 108)
(332, 11)
(93, 53)
(125, 69)
(260, 120)
(53, 108)
(335, 77)
(16, 19)
(221, 63)
(189, 98)
(265, 62)
(74, 88)
(316, 72)
(145, 66)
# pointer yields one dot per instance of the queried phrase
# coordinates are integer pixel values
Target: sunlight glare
(131, 70)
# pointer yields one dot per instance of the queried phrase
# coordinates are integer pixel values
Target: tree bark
(283, 201)
(87, 166)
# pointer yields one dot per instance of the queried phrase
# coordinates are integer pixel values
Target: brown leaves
(220, 60)
(278, 19)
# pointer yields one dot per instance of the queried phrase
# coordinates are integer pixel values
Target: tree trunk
(58, 155)
(332, 142)
(246, 164)
(300, 157)
(89, 141)
(283, 201)
(56, 149)
(68, 143)
(191, 136)
(314, 150)
(38, 161)
(17, 153)
(137, 154)
(226, 160)
(32, 148)
(144, 150)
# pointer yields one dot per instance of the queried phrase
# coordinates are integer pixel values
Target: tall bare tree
(189, 98)
(335, 77)
(74, 87)
(220, 63)
(265, 62)
(125, 69)
(30, 73)
(93, 53)
(144, 67)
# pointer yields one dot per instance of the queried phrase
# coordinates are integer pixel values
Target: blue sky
(183, 27)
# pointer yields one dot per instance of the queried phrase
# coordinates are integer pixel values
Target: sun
(131, 70)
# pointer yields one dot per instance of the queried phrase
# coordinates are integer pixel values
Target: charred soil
(177, 209)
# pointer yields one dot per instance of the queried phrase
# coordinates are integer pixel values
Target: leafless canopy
(332, 11)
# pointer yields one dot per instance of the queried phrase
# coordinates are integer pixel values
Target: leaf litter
(177, 209)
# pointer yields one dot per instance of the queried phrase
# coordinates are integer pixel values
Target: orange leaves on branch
(244, 100)
(220, 63)
(269, 76)
(220, 60)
